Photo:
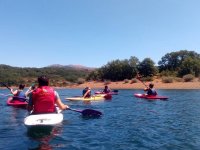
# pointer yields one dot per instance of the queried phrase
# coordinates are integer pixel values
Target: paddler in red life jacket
(19, 94)
(150, 90)
(44, 98)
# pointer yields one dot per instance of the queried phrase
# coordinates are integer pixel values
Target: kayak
(43, 120)
(110, 93)
(150, 97)
(92, 98)
(16, 102)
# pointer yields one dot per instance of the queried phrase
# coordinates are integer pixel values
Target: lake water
(128, 123)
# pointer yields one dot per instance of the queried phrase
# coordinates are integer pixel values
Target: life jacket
(88, 95)
(151, 92)
(43, 99)
(106, 91)
(20, 96)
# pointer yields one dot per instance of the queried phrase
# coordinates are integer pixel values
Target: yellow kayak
(80, 98)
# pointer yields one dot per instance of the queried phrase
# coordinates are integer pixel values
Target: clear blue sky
(38, 33)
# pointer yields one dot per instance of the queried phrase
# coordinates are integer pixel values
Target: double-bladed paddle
(5, 86)
(138, 77)
(88, 112)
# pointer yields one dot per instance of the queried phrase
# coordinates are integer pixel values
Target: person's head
(151, 85)
(21, 86)
(106, 87)
(43, 80)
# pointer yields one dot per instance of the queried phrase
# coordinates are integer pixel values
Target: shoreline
(158, 84)
(139, 85)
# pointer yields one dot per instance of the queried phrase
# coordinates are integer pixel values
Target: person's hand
(67, 107)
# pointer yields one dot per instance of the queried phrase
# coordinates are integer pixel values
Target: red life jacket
(43, 100)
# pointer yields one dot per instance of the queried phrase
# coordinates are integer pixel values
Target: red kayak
(150, 97)
(16, 103)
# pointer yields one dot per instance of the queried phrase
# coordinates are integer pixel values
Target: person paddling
(44, 98)
(106, 89)
(19, 94)
(150, 90)
(86, 92)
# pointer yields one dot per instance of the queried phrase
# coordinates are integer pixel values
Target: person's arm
(88, 91)
(59, 103)
(28, 91)
(13, 92)
(30, 103)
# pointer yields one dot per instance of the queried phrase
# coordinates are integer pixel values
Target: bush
(107, 82)
(178, 79)
(188, 78)
(134, 80)
(126, 80)
(167, 79)
(80, 80)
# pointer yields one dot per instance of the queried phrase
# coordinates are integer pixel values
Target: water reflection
(42, 137)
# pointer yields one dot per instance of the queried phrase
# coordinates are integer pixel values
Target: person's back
(44, 98)
(106, 89)
(19, 94)
(151, 90)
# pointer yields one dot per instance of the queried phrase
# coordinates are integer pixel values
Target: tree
(190, 66)
(178, 62)
(147, 68)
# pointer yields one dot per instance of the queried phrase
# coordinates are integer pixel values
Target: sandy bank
(157, 84)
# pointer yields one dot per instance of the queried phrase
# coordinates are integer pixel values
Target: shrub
(188, 77)
(167, 79)
(107, 82)
(80, 80)
(126, 80)
(178, 79)
(134, 80)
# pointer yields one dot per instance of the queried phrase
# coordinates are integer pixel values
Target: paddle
(115, 91)
(142, 82)
(5, 85)
(138, 77)
(6, 94)
(88, 112)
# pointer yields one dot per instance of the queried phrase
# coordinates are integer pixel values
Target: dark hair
(43, 80)
(21, 86)
(151, 85)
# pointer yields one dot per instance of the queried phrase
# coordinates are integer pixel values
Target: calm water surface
(128, 123)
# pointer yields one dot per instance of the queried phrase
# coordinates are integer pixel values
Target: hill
(60, 75)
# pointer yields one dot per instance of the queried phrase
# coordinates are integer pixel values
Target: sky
(39, 33)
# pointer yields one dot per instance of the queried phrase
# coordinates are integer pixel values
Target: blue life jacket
(151, 92)
(88, 95)
(20, 96)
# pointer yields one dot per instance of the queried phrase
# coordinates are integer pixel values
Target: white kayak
(50, 119)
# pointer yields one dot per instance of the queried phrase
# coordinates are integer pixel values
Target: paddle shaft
(139, 79)
(5, 85)
(88, 112)
(75, 110)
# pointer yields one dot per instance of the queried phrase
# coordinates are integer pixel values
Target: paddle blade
(91, 113)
